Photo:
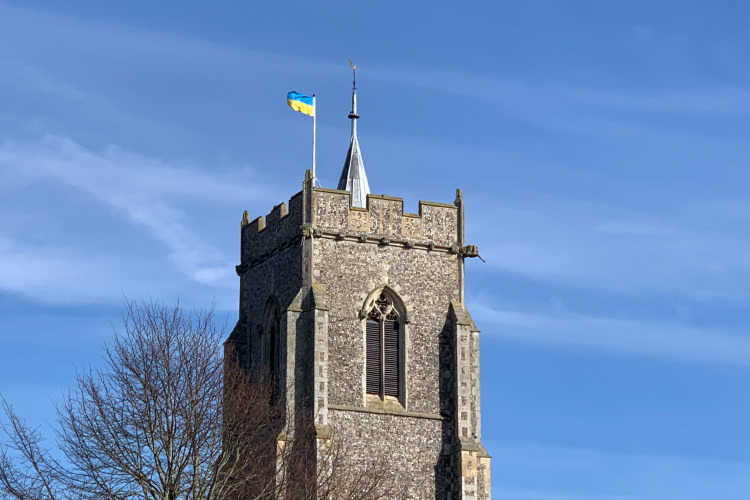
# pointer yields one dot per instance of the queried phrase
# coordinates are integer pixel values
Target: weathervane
(353, 115)
(354, 74)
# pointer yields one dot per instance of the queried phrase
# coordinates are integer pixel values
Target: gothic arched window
(383, 338)
(272, 343)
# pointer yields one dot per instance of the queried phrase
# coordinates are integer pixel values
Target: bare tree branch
(42, 475)
(169, 416)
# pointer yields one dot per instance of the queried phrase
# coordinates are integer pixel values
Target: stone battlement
(278, 229)
(385, 219)
(319, 212)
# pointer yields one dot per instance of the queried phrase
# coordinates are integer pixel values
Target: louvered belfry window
(383, 370)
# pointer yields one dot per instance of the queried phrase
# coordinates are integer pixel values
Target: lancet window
(272, 344)
(383, 344)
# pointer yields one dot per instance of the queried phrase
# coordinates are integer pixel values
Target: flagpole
(315, 130)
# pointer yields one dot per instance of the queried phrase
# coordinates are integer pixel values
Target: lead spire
(353, 177)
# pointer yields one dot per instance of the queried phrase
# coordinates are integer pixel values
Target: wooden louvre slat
(391, 352)
(373, 362)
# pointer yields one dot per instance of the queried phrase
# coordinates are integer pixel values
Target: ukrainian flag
(301, 103)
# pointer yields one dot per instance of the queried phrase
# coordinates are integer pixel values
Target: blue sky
(601, 147)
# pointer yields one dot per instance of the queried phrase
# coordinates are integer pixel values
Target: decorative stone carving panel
(331, 210)
(385, 217)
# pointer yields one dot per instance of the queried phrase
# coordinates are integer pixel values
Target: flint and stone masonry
(316, 265)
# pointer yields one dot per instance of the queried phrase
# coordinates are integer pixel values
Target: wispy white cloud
(34, 79)
(144, 49)
(679, 250)
(60, 273)
(633, 228)
(119, 173)
(625, 336)
(505, 493)
(164, 92)
(544, 100)
(579, 473)
(64, 149)
(164, 200)
(36, 272)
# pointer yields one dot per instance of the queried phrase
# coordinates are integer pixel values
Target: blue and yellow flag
(302, 103)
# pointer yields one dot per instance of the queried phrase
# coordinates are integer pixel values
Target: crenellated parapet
(265, 236)
(328, 213)
(383, 221)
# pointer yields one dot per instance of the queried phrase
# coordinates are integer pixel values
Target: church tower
(357, 310)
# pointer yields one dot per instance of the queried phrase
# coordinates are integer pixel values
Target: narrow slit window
(272, 348)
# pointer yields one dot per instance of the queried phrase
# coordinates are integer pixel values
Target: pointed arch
(384, 316)
(391, 294)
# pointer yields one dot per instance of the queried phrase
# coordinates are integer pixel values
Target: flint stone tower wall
(321, 260)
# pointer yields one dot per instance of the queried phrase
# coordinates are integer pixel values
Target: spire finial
(353, 114)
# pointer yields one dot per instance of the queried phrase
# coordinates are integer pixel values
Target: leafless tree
(27, 469)
(167, 417)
